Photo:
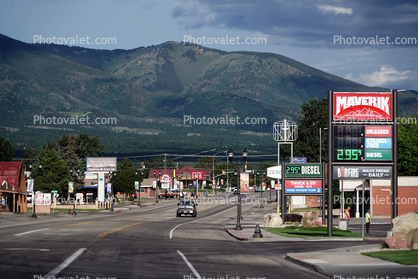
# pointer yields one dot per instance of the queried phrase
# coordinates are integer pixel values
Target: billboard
(99, 164)
(363, 106)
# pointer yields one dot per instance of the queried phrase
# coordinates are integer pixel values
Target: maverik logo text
(367, 106)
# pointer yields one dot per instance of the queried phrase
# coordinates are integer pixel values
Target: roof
(13, 174)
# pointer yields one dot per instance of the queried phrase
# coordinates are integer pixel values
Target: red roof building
(13, 187)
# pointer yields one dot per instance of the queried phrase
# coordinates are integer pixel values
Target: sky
(373, 42)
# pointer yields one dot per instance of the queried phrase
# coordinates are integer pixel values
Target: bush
(131, 198)
(296, 224)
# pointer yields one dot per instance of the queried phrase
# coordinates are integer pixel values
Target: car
(186, 208)
(177, 192)
(235, 191)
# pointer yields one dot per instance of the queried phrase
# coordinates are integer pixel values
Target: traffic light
(223, 172)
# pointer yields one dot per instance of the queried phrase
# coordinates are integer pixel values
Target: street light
(74, 175)
(111, 176)
(34, 188)
(238, 164)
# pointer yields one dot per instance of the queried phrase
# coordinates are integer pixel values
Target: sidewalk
(325, 261)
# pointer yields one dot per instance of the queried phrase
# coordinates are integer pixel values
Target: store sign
(274, 172)
(363, 106)
(303, 186)
(366, 172)
(42, 199)
(165, 178)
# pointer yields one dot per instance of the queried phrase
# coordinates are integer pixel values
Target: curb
(236, 235)
(306, 265)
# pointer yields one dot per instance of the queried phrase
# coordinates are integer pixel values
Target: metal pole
(238, 226)
(395, 156)
(330, 147)
(362, 209)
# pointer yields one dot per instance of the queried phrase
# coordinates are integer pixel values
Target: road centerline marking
(118, 229)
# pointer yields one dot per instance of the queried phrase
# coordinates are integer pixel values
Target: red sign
(362, 106)
(165, 178)
(197, 174)
(378, 131)
(305, 184)
(278, 187)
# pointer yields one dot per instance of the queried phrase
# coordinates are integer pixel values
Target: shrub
(131, 198)
(297, 224)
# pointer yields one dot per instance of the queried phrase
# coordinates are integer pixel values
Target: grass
(406, 257)
(293, 231)
(306, 209)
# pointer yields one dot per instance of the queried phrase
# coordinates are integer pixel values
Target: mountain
(151, 91)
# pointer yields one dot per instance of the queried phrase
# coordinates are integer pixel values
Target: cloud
(336, 10)
(386, 76)
(304, 23)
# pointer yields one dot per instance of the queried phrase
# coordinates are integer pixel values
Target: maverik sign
(364, 106)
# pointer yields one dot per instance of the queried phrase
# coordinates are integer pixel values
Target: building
(378, 195)
(13, 187)
(184, 178)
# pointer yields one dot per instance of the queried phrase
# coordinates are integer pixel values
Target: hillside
(150, 91)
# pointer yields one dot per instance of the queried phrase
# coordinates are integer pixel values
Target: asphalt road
(147, 242)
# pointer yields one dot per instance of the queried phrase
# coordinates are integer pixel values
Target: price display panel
(362, 143)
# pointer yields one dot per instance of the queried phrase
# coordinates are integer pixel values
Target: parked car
(177, 192)
(186, 208)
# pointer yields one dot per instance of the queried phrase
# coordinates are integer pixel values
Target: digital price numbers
(362, 143)
(303, 170)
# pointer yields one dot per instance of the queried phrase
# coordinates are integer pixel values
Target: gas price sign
(303, 170)
(362, 143)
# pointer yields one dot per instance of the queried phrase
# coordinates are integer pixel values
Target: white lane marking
(19, 234)
(171, 232)
(66, 263)
(190, 265)
(25, 249)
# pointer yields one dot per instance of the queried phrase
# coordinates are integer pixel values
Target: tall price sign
(362, 132)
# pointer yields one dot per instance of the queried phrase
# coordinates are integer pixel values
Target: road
(147, 242)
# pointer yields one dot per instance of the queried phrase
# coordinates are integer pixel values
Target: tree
(206, 163)
(7, 152)
(408, 147)
(158, 163)
(124, 181)
(314, 116)
(54, 174)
